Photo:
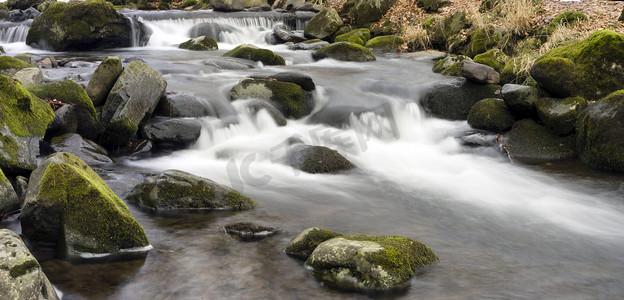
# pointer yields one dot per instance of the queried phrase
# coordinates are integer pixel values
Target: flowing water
(501, 230)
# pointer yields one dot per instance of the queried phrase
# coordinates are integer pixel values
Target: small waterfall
(14, 34)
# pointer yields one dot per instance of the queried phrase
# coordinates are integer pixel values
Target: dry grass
(564, 35)
(418, 36)
(518, 16)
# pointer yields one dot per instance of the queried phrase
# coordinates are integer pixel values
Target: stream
(501, 230)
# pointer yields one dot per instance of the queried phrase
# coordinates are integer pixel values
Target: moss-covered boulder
(10, 65)
(567, 18)
(87, 150)
(68, 91)
(202, 43)
(432, 6)
(494, 58)
(304, 244)
(520, 99)
(344, 51)
(173, 189)
(388, 43)
(23, 122)
(318, 159)
(288, 97)
(453, 100)
(323, 25)
(599, 133)
(560, 115)
(251, 52)
(490, 114)
(92, 24)
(8, 197)
(302, 80)
(450, 65)
(369, 262)
(532, 142)
(133, 97)
(358, 36)
(67, 203)
(21, 276)
(591, 68)
(364, 12)
(228, 5)
(103, 79)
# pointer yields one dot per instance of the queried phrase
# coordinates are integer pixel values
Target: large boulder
(67, 203)
(369, 262)
(11, 65)
(23, 122)
(251, 52)
(8, 197)
(92, 24)
(490, 114)
(479, 73)
(364, 12)
(212, 30)
(560, 115)
(304, 244)
(29, 76)
(599, 133)
(202, 43)
(228, 5)
(323, 25)
(176, 132)
(387, 43)
(103, 79)
(21, 276)
(173, 189)
(65, 121)
(532, 142)
(591, 68)
(359, 36)
(317, 159)
(22, 4)
(288, 97)
(68, 91)
(344, 51)
(180, 105)
(453, 100)
(87, 150)
(134, 96)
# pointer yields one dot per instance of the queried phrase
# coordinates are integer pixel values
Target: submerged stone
(248, 231)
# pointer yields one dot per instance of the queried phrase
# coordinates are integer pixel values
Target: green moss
(3, 178)
(318, 159)
(494, 58)
(490, 114)
(251, 52)
(7, 62)
(21, 111)
(481, 40)
(450, 65)
(568, 18)
(323, 25)
(344, 51)
(10, 150)
(358, 36)
(304, 244)
(290, 98)
(428, 22)
(23, 268)
(201, 43)
(385, 43)
(239, 201)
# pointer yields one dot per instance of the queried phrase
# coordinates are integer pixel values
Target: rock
(263, 7)
(302, 80)
(29, 76)
(520, 99)
(560, 115)
(358, 36)
(173, 189)
(48, 63)
(344, 51)
(494, 58)
(9, 201)
(103, 79)
(450, 65)
(65, 121)
(22, 4)
(315, 45)
(68, 91)
(388, 43)
(67, 203)
(10, 65)
(23, 124)
(140, 148)
(490, 114)
(230, 63)
(133, 97)
(21, 186)
(284, 35)
(479, 73)
(87, 25)
(180, 105)
(293, 4)
(599, 133)
(211, 30)
(202, 43)
(248, 231)
(592, 68)
(323, 25)
(254, 3)
(529, 141)
(432, 6)
(21, 276)
(172, 131)
(479, 139)
(317, 159)
(228, 5)
(255, 105)
(453, 100)
(443, 33)
(368, 262)
(483, 39)
(88, 151)
(251, 52)
(18, 16)
(364, 12)
(304, 244)
(288, 97)
(27, 58)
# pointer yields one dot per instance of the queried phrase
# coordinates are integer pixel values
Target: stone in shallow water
(248, 231)
(304, 244)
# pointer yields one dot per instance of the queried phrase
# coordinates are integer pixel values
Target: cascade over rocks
(211, 30)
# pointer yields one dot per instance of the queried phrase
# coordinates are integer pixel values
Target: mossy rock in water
(453, 100)
(591, 68)
(67, 203)
(450, 65)
(173, 189)
(365, 12)
(560, 115)
(369, 263)
(490, 114)
(288, 97)
(599, 133)
(344, 51)
(251, 52)
(24, 119)
(432, 6)
(494, 58)
(202, 43)
(358, 36)
(21, 276)
(323, 25)
(8, 197)
(87, 25)
(68, 91)
(104, 79)
(10, 65)
(304, 244)
(387, 43)
(532, 142)
(318, 159)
